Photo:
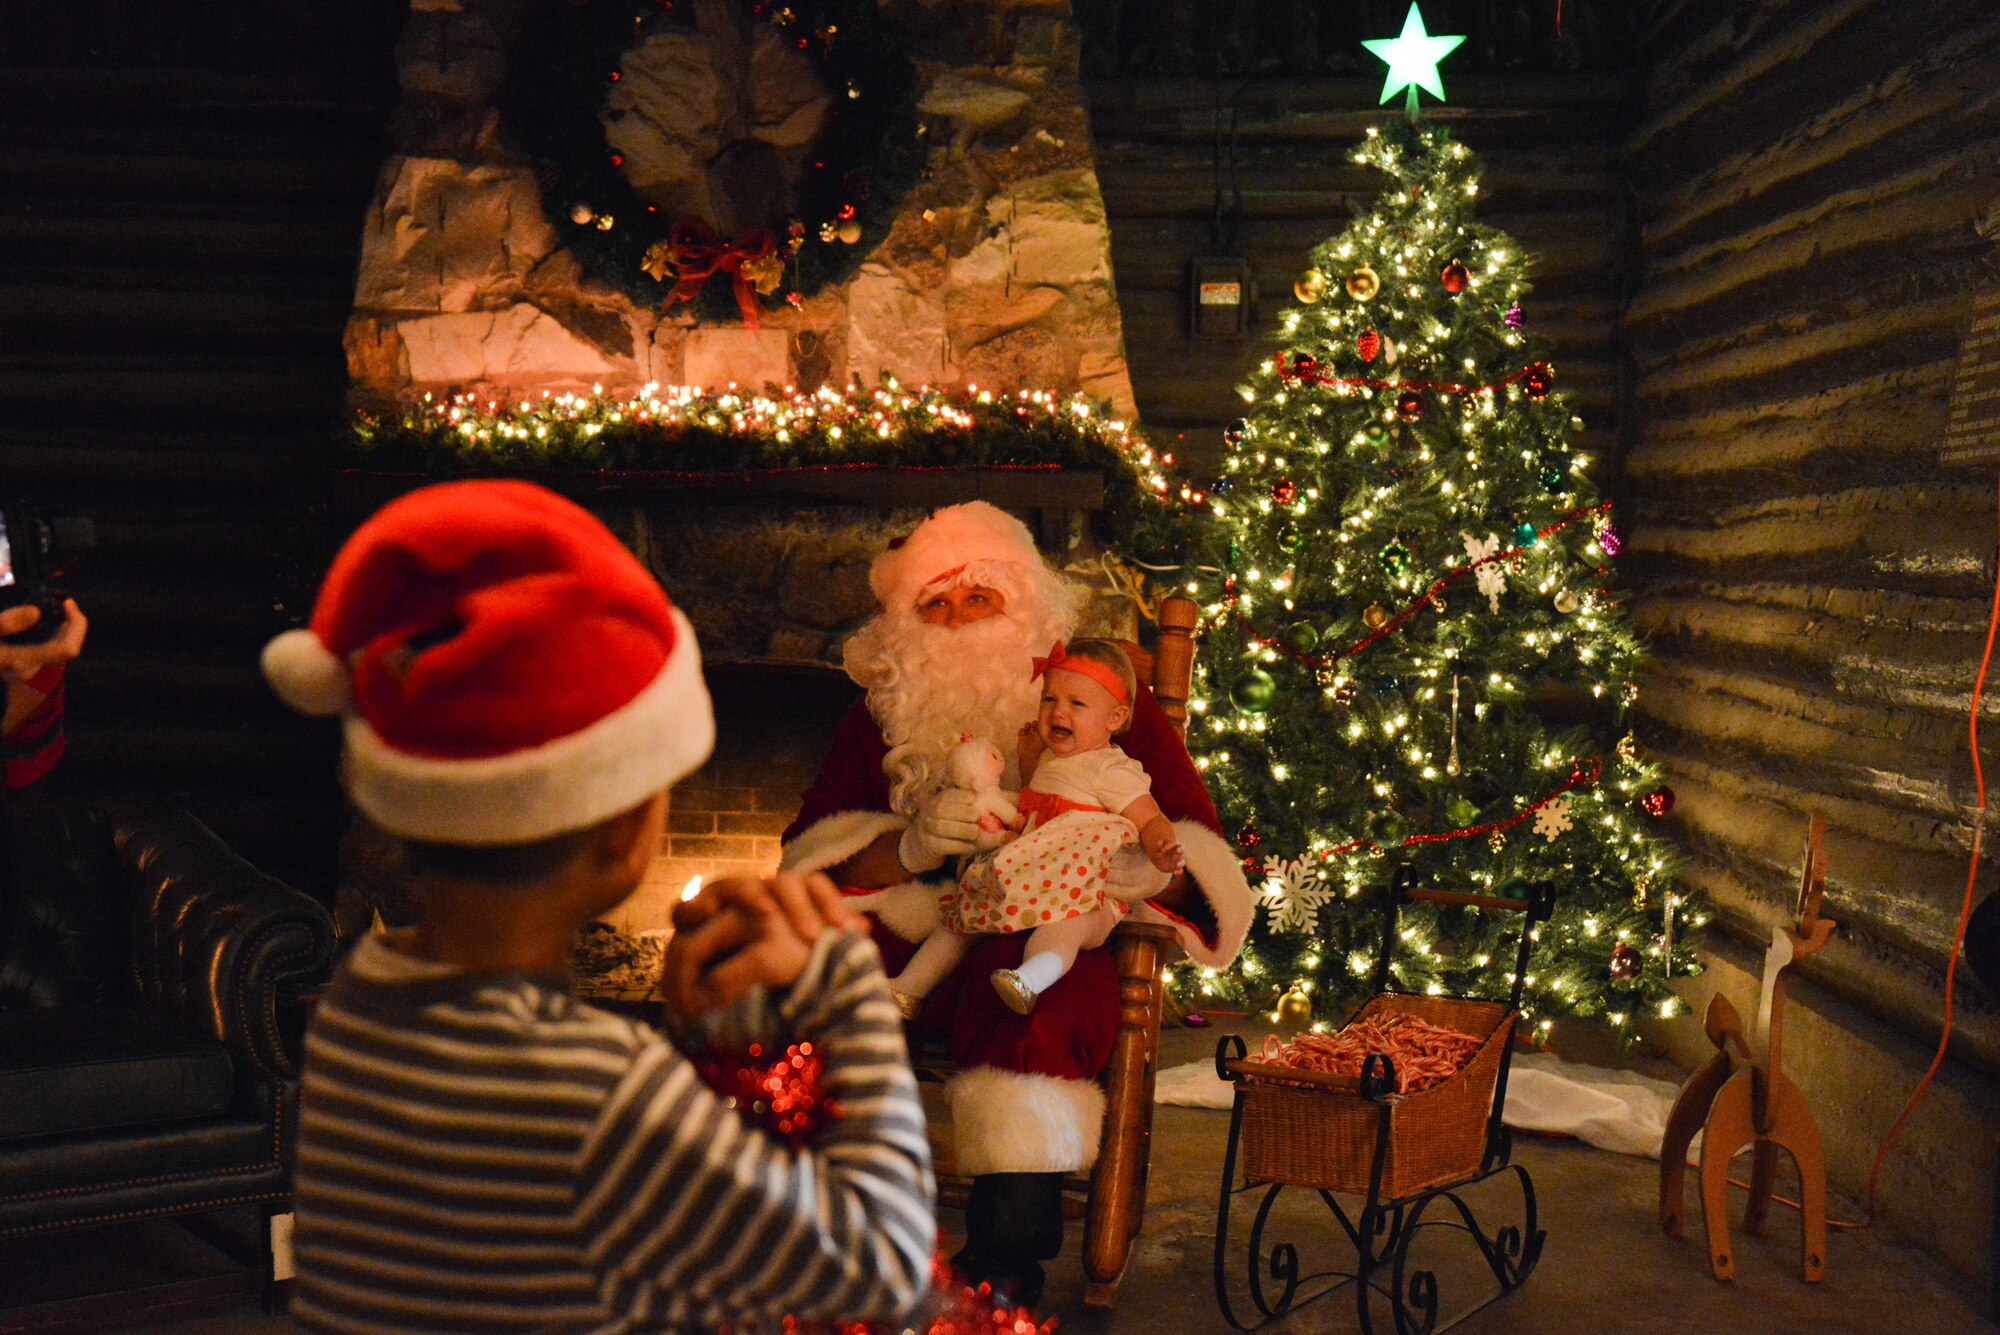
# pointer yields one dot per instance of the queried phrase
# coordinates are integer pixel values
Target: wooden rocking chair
(1112, 1200)
(1742, 1097)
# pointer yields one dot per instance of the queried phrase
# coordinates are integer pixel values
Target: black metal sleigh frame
(1383, 1230)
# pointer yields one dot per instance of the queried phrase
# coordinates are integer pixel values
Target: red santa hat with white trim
(950, 542)
(504, 668)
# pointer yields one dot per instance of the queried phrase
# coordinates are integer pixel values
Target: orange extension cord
(1957, 940)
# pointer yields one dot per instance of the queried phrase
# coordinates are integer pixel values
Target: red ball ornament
(1659, 802)
(1284, 491)
(1369, 345)
(1538, 381)
(1625, 962)
(1249, 836)
(1455, 278)
(1252, 868)
(1409, 405)
(1304, 364)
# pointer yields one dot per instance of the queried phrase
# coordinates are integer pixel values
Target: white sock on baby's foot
(1041, 971)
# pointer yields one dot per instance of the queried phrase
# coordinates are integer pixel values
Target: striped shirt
(483, 1152)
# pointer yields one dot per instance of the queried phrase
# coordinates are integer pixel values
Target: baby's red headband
(1059, 658)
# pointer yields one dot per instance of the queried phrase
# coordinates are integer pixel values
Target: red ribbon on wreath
(699, 254)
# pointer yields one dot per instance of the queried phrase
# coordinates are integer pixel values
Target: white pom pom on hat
(306, 674)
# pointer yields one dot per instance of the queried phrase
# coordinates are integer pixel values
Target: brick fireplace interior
(773, 725)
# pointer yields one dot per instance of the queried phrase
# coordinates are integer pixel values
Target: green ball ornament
(1301, 637)
(1254, 691)
(1514, 887)
(1290, 539)
(1388, 828)
(1376, 434)
(1552, 480)
(1525, 534)
(1395, 559)
(1461, 812)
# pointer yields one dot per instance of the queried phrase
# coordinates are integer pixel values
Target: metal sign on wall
(1972, 429)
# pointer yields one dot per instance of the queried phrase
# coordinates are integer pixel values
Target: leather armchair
(145, 1063)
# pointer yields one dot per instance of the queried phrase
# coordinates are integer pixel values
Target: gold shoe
(1013, 990)
(907, 1006)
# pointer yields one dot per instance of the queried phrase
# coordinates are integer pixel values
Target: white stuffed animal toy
(976, 766)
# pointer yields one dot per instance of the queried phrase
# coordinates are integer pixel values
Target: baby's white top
(1105, 777)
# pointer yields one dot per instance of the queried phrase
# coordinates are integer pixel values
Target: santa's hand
(944, 827)
(1134, 877)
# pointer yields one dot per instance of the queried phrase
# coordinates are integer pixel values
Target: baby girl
(1083, 800)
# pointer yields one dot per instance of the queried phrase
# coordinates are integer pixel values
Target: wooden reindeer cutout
(1741, 1097)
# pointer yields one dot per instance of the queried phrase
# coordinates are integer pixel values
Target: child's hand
(741, 933)
(1028, 745)
(1162, 848)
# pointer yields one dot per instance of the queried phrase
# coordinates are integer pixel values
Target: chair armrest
(215, 942)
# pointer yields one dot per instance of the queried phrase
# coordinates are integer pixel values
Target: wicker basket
(1325, 1138)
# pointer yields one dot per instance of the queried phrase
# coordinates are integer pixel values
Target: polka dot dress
(1054, 871)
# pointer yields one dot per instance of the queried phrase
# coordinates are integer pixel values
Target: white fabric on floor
(1620, 1111)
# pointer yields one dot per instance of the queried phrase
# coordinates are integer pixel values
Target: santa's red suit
(1026, 1099)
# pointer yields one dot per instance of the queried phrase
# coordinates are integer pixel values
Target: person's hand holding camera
(20, 662)
(743, 932)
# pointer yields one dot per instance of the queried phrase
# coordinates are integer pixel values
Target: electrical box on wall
(1220, 294)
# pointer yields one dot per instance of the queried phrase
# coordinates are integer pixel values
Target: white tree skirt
(1620, 1111)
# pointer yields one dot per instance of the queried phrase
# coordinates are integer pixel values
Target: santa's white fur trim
(659, 736)
(973, 533)
(306, 674)
(836, 838)
(1011, 1122)
(1217, 871)
(910, 910)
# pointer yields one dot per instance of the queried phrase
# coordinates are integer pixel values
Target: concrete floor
(1605, 1265)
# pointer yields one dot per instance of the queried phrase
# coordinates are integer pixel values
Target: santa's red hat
(952, 544)
(505, 668)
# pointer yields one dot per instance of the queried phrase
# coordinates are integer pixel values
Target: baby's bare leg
(939, 954)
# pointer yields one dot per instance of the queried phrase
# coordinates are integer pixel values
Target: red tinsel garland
(1395, 623)
(1291, 375)
(1578, 777)
(785, 1096)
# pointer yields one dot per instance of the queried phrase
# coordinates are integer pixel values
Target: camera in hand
(30, 549)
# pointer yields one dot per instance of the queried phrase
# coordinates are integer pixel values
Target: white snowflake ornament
(1292, 894)
(1553, 819)
(1492, 582)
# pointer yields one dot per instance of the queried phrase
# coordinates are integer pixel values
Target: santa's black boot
(1013, 1222)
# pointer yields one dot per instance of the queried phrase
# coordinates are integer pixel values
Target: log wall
(1810, 178)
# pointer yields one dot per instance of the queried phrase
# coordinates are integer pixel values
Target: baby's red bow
(1055, 659)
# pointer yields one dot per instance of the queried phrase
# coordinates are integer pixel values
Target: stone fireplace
(995, 269)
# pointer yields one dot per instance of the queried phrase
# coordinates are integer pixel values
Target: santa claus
(966, 604)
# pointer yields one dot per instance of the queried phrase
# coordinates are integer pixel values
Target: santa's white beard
(927, 684)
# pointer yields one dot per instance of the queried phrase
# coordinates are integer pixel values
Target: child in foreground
(1082, 801)
(479, 1151)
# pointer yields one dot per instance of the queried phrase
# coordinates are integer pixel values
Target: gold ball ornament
(1565, 601)
(850, 232)
(1309, 286)
(1363, 284)
(605, 222)
(1628, 749)
(1295, 1007)
(1497, 840)
(582, 214)
(1375, 617)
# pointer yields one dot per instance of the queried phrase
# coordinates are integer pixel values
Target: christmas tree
(1414, 657)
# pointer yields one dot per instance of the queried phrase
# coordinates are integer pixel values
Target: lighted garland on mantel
(682, 431)
(861, 167)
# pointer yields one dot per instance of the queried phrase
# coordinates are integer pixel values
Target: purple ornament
(1608, 539)
(1513, 319)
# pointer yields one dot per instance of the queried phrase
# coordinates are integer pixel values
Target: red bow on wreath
(699, 254)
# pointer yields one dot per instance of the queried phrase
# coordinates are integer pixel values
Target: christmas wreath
(731, 154)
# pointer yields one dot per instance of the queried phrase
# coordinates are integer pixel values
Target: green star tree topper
(1413, 59)
(1414, 652)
